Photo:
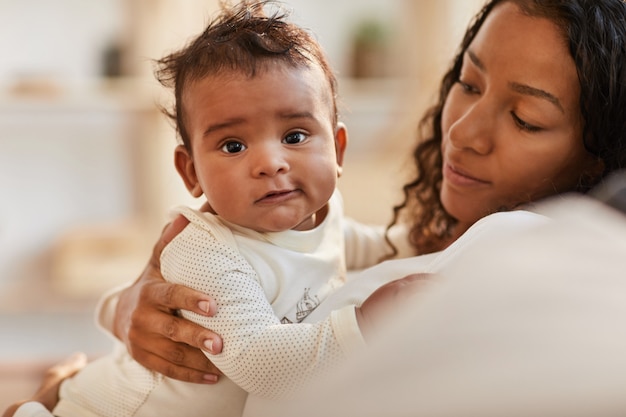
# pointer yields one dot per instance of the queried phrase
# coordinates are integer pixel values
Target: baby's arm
(259, 353)
(366, 245)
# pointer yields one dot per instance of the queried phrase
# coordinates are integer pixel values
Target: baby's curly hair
(242, 39)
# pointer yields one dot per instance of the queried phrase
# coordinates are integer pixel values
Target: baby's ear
(341, 142)
(187, 170)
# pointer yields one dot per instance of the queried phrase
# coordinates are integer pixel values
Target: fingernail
(208, 344)
(204, 306)
(210, 378)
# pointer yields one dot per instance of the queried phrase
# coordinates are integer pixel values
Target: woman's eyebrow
(518, 87)
(536, 92)
(475, 60)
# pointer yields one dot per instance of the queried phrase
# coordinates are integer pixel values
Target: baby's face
(265, 152)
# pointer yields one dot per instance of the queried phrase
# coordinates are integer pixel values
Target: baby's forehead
(275, 67)
(290, 88)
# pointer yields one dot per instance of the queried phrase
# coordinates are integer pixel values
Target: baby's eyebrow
(288, 115)
(297, 115)
(223, 125)
(536, 92)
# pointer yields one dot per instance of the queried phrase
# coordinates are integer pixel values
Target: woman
(533, 105)
(522, 115)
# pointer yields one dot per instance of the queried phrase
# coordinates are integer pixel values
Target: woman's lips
(458, 176)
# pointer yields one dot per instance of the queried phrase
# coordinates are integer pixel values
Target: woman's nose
(473, 129)
(269, 161)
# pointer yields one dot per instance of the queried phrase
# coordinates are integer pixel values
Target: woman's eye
(294, 138)
(468, 88)
(233, 147)
(524, 125)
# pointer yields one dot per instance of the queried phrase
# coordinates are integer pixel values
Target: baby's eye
(233, 147)
(294, 138)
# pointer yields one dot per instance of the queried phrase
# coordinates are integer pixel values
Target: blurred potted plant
(370, 46)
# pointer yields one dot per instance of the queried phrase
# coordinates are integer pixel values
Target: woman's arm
(145, 320)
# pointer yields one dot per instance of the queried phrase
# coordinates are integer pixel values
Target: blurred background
(86, 167)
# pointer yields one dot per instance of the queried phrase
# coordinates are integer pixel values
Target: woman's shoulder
(488, 228)
(506, 221)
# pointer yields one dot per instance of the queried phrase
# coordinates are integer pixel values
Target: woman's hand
(373, 313)
(48, 392)
(146, 322)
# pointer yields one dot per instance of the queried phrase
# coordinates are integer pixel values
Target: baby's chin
(282, 224)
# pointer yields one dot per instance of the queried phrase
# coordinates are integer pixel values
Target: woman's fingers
(170, 345)
(171, 296)
(148, 324)
(174, 297)
(182, 362)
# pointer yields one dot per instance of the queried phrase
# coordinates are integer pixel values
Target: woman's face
(512, 127)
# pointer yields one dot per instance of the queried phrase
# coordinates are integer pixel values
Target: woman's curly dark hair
(242, 39)
(595, 32)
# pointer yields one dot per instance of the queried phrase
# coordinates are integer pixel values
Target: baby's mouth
(278, 196)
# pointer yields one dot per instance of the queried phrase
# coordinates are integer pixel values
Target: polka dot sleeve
(260, 354)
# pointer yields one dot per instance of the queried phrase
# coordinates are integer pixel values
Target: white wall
(58, 170)
(59, 38)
